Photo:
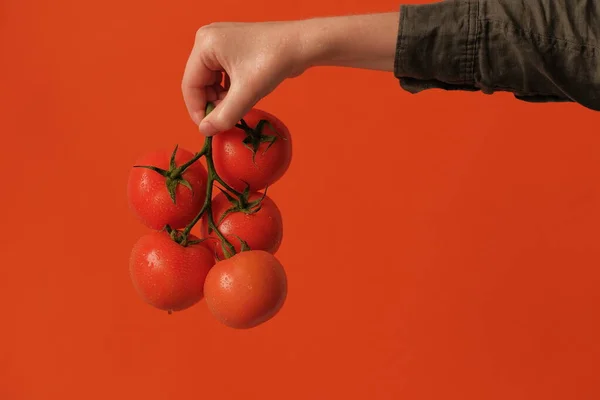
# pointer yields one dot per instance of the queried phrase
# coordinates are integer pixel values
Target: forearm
(541, 50)
(358, 41)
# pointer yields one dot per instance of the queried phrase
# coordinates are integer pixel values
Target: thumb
(237, 102)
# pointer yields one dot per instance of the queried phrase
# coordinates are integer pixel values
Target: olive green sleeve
(540, 50)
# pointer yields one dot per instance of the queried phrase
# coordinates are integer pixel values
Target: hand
(234, 65)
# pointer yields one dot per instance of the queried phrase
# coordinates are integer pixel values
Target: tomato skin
(149, 198)
(233, 160)
(167, 275)
(262, 230)
(246, 290)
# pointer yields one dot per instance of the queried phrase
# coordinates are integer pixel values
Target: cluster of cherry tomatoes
(217, 245)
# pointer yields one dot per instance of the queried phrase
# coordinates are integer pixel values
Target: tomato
(258, 159)
(259, 225)
(246, 290)
(149, 196)
(167, 275)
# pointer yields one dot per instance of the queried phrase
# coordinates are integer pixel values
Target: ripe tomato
(167, 275)
(149, 196)
(260, 225)
(246, 290)
(258, 159)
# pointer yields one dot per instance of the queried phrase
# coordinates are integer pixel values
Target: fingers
(234, 104)
(215, 92)
(196, 78)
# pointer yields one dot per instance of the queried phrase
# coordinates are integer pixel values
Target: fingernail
(206, 128)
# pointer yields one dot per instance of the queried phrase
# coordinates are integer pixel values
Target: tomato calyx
(245, 246)
(242, 203)
(180, 237)
(256, 136)
(174, 175)
(228, 253)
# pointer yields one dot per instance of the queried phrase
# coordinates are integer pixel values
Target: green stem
(226, 186)
(206, 148)
(181, 169)
(207, 206)
(211, 221)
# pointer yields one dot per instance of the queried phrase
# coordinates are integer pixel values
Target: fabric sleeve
(540, 50)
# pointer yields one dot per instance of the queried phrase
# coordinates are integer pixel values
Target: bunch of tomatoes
(217, 245)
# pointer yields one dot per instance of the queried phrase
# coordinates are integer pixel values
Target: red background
(438, 246)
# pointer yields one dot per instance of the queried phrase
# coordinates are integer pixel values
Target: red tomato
(261, 230)
(167, 275)
(246, 290)
(149, 197)
(237, 163)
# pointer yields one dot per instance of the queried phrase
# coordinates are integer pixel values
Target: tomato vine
(174, 177)
(171, 192)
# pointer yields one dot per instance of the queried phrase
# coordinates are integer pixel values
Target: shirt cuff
(436, 46)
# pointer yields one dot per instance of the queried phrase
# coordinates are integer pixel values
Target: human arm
(254, 58)
(541, 50)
